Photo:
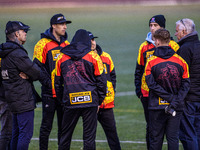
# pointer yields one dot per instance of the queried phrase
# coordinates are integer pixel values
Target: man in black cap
(146, 50)
(18, 73)
(45, 55)
(106, 114)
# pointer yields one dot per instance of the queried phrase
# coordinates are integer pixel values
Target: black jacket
(18, 91)
(167, 77)
(2, 91)
(190, 51)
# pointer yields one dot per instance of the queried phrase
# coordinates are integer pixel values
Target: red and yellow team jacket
(46, 52)
(167, 76)
(146, 50)
(80, 80)
(109, 70)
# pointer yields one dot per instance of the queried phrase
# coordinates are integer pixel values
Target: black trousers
(70, 119)
(161, 124)
(145, 101)
(107, 121)
(6, 125)
(49, 107)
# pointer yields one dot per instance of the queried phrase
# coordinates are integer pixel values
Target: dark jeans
(49, 107)
(22, 130)
(107, 120)
(160, 124)
(6, 126)
(145, 101)
(70, 119)
(190, 126)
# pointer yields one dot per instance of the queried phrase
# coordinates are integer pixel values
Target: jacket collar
(189, 37)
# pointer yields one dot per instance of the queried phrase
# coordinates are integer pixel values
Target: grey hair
(186, 24)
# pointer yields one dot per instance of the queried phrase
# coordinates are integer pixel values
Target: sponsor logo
(162, 101)
(80, 97)
(149, 54)
(59, 18)
(153, 20)
(4, 74)
(55, 54)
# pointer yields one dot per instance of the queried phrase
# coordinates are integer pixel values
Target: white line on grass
(128, 93)
(99, 141)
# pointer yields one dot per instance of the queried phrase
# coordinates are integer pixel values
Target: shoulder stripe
(96, 60)
(174, 45)
(106, 58)
(39, 49)
(143, 48)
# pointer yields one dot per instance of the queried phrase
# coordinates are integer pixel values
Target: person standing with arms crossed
(18, 73)
(106, 114)
(146, 50)
(188, 40)
(45, 55)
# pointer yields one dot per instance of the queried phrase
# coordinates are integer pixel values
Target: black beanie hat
(159, 19)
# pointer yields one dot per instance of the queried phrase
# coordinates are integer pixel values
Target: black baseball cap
(91, 35)
(13, 26)
(59, 18)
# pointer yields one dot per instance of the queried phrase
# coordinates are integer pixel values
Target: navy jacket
(167, 77)
(18, 91)
(190, 51)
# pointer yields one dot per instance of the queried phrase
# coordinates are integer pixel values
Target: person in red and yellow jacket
(167, 76)
(106, 114)
(146, 50)
(45, 55)
(80, 83)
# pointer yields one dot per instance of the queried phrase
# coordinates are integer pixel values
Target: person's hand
(23, 75)
(98, 109)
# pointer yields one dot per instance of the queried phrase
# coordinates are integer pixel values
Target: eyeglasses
(183, 24)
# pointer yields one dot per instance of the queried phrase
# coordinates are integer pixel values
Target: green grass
(121, 30)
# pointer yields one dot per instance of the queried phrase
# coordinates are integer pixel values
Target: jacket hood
(48, 34)
(191, 36)
(99, 50)
(8, 47)
(79, 46)
(149, 38)
(164, 52)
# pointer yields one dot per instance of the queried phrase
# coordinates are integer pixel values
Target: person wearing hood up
(82, 73)
(106, 114)
(188, 40)
(146, 50)
(45, 55)
(167, 76)
(18, 73)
